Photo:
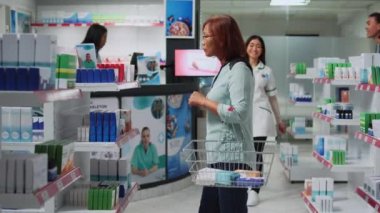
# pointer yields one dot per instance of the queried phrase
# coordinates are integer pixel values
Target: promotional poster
(147, 151)
(180, 18)
(178, 132)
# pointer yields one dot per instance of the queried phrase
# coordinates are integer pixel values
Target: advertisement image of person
(373, 29)
(88, 62)
(145, 157)
(229, 107)
(97, 35)
(265, 104)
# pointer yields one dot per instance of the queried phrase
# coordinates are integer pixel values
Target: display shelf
(302, 104)
(321, 81)
(19, 146)
(336, 122)
(368, 87)
(96, 147)
(300, 76)
(367, 138)
(121, 140)
(119, 208)
(309, 204)
(40, 96)
(107, 24)
(351, 166)
(368, 199)
(344, 82)
(106, 87)
(38, 198)
(308, 134)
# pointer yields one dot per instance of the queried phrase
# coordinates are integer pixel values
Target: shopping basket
(229, 163)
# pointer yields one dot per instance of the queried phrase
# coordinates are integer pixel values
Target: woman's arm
(276, 110)
(198, 99)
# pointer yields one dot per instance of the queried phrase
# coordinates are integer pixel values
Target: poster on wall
(20, 21)
(147, 151)
(180, 18)
(178, 133)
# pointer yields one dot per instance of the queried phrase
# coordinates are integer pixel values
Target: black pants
(259, 147)
(224, 200)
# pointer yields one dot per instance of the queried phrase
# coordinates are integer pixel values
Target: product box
(26, 124)
(45, 59)
(315, 188)
(112, 169)
(1, 50)
(3, 175)
(65, 156)
(20, 174)
(94, 169)
(26, 49)
(6, 124)
(125, 120)
(11, 176)
(103, 169)
(15, 124)
(36, 170)
(10, 46)
(66, 71)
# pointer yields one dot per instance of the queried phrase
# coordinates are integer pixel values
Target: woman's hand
(282, 127)
(197, 99)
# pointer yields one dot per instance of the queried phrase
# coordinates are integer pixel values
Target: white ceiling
(338, 10)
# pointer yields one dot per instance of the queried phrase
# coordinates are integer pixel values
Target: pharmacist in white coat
(265, 104)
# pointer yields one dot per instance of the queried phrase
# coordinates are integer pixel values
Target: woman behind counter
(97, 35)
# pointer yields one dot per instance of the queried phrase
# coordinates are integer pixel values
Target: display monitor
(194, 62)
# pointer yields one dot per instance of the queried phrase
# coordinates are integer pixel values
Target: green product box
(343, 157)
(66, 71)
(374, 78)
(90, 199)
(97, 201)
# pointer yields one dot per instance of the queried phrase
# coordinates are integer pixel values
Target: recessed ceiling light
(289, 2)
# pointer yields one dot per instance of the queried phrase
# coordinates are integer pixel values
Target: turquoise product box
(6, 121)
(45, 60)
(26, 124)
(10, 46)
(26, 49)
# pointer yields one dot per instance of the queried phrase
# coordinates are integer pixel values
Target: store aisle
(278, 197)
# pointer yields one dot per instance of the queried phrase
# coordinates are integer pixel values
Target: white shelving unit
(346, 200)
(55, 104)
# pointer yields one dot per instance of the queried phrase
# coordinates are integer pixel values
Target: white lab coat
(265, 86)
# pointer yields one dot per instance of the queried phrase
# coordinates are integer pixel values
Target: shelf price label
(59, 185)
(45, 195)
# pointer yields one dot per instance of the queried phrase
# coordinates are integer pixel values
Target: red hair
(227, 36)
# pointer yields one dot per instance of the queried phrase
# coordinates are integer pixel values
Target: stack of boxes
(321, 191)
(18, 124)
(368, 123)
(372, 186)
(29, 63)
(60, 157)
(23, 173)
(289, 154)
(332, 148)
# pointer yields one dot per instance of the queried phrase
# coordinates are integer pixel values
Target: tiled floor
(277, 197)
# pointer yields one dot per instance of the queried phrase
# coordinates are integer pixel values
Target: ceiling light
(289, 2)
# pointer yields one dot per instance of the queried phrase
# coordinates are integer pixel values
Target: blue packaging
(22, 79)
(92, 136)
(84, 75)
(97, 76)
(106, 127)
(34, 78)
(90, 75)
(104, 76)
(111, 75)
(78, 78)
(10, 78)
(2, 79)
(364, 76)
(99, 126)
(113, 127)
